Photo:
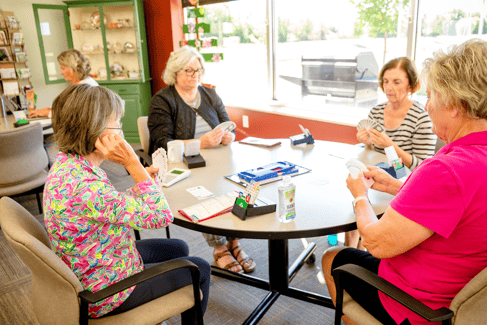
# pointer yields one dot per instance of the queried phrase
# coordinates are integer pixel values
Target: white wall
(25, 14)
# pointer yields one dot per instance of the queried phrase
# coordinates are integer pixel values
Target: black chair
(468, 307)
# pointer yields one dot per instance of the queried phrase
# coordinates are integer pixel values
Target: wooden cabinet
(111, 34)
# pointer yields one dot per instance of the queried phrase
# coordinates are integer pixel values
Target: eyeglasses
(191, 72)
(118, 128)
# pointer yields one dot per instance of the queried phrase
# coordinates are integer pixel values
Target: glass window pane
(87, 38)
(446, 22)
(54, 39)
(239, 27)
(123, 50)
(332, 53)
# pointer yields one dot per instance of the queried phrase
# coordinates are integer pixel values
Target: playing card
(159, 160)
(378, 127)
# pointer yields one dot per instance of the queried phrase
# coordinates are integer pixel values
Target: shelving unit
(7, 32)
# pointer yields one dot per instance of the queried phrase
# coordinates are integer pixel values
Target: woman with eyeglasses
(186, 110)
(89, 221)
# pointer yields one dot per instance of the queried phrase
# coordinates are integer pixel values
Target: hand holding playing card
(363, 136)
(380, 140)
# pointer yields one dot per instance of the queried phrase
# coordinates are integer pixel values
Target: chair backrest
(22, 154)
(470, 304)
(143, 133)
(55, 287)
(439, 144)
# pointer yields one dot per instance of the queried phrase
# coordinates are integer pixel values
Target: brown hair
(460, 76)
(405, 64)
(76, 61)
(80, 114)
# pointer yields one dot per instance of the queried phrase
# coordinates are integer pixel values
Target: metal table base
(280, 275)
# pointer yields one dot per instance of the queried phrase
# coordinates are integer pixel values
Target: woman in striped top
(407, 125)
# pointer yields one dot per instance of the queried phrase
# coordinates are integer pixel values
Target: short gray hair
(178, 60)
(460, 76)
(80, 114)
(76, 61)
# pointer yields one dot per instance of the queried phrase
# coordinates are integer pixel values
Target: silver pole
(413, 19)
(271, 47)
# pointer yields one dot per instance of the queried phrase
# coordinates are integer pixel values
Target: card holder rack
(261, 206)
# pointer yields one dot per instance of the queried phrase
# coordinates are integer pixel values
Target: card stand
(302, 138)
(260, 207)
(194, 161)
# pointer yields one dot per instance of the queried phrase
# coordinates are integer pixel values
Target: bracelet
(358, 199)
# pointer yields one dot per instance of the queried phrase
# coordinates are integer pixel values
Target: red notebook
(209, 208)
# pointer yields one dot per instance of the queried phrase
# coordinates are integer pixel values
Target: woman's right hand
(40, 112)
(212, 138)
(364, 137)
(383, 181)
(114, 148)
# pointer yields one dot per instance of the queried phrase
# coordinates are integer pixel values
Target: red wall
(164, 21)
(164, 24)
(269, 125)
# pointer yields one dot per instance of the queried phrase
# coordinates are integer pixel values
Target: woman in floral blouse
(89, 221)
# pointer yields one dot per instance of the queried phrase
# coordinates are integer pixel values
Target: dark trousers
(364, 294)
(155, 251)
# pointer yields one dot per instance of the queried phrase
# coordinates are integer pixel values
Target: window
(440, 26)
(303, 63)
(240, 28)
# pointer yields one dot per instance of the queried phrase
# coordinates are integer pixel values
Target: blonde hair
(80, 114)
(76, 61)
(178, 60)
(405, 64)
(460, 77)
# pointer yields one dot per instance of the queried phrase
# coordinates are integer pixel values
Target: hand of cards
(370, 124)
(159, 160)
(355, 167)
(165, 178)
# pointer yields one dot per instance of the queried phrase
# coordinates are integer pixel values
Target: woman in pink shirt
(430, 242)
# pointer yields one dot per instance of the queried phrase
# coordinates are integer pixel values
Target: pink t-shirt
(446, 194)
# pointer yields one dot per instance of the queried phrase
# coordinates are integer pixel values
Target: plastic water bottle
(287, 207)
(332, 239)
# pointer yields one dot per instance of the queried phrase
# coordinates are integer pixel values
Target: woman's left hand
(152, 171)
(380, 140)
(227, 138)
(357, 186)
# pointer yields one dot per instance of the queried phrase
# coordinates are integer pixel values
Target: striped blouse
(414, 135)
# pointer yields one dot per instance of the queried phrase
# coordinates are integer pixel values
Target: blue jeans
(154, 251)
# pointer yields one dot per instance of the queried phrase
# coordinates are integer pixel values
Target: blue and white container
(287, 207)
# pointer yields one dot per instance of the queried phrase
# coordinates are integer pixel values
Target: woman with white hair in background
(186, 110)
(75, 68)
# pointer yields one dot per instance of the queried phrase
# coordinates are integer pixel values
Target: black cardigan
(171, 118)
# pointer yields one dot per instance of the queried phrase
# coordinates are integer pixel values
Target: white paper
(51, 68)
(10, 88)
(200, 192)
(45, 30)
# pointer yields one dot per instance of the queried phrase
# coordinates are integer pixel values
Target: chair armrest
(392, 291)
(144, 156)
(93, 297)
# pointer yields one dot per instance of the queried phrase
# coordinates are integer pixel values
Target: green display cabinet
(111, 34)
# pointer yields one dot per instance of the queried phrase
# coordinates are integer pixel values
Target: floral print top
(89, 222)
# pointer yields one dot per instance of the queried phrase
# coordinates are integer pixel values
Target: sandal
(219, 257)
(242, 258)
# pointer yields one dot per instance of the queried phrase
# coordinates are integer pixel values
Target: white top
(89, 81)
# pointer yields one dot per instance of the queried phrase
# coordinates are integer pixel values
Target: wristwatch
(358, 199)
